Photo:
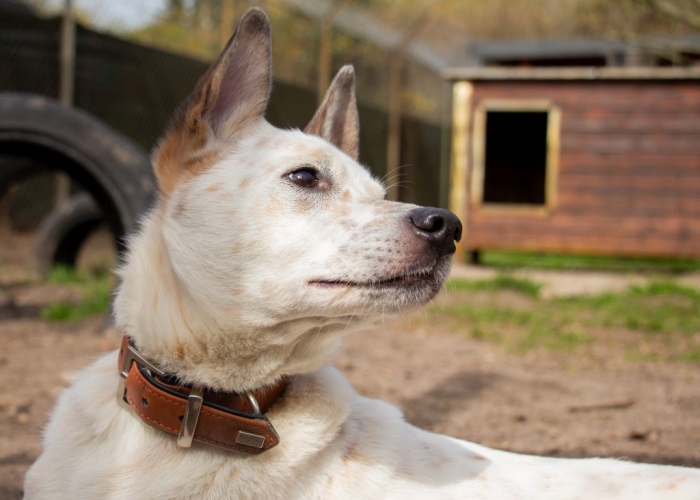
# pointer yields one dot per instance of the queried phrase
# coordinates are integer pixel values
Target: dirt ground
(553, 403)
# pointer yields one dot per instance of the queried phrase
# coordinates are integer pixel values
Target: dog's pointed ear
(237, 87)
(232, 93)
(337, 120)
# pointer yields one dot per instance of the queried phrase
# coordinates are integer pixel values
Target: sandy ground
(590, 403)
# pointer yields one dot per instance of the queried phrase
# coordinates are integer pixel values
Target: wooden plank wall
(629, 176)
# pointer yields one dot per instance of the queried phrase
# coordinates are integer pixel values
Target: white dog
(265, 248)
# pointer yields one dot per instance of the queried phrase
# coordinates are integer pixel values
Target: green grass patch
(554, 339)
(96, 289)
(659, 307)
(517, 329)
(95, 302)
(666, 288)
(66, 275)
(661, 310)
(691, 356)
(500, 282)
(514, 260)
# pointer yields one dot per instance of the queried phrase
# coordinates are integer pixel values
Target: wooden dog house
(585, 160)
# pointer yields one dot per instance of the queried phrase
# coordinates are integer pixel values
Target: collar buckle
(130, 355)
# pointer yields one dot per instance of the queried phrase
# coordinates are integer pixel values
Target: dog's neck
(206, 347)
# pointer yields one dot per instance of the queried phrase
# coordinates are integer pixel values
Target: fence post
(393, 143)
(66, 85)
(325, 46)
(227, 15)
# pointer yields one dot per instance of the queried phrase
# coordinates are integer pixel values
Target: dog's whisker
(392, 172)
(391, 179)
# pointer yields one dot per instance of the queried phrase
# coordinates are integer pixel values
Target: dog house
(584, 160)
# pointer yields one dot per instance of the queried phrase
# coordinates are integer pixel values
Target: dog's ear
(237, 87)
(232, 93)
(337, 120)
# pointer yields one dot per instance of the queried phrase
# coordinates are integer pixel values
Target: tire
(114, 170)
(17, 168)
(62, 233)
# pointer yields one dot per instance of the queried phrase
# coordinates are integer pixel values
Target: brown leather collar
(229, 421)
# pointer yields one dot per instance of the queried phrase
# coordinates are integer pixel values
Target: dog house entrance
(515, 160)
(516, 152)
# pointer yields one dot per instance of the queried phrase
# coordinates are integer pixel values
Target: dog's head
(282, 231)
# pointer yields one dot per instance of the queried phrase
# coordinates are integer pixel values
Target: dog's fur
(239, 276)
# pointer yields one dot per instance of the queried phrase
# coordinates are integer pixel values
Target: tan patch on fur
(183, 316)
(179, 209)
(180, 350)
(273, 207)
(262, 143)
(352, 456)
(345, 197)
(347, 223)
(344, 211)
(245, 182)
(181, 155)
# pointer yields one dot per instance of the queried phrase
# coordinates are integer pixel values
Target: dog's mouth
(421, 275)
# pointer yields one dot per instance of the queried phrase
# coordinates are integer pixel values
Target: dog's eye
(305, 177)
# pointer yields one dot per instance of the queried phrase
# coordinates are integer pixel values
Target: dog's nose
(441, 227)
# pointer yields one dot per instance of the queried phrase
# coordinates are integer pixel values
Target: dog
(264, 249)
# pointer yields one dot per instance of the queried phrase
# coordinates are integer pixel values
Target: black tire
(17, 168)
(114, 170)
(62, 233)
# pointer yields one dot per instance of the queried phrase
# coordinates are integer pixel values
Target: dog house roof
(591, 73)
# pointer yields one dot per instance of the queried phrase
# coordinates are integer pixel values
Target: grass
(500, 282)
(663, 313)
(661, 307)
(66, 275)
(512, 260)
(96, 301)
(96, 288)
(692, 355)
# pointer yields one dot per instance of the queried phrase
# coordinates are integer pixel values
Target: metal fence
(131, 63)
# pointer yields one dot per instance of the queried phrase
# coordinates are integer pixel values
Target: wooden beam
(393, 143)
(67, 55)
(604, 73)
(66, 85)
(227, 19)
(325, 46)
(461, 130)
